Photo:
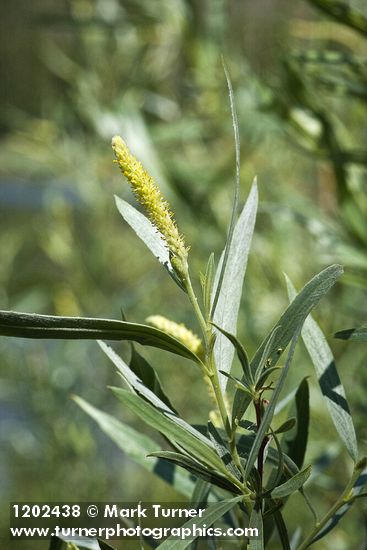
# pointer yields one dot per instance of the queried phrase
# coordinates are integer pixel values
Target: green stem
(214, 379)
(209, 363)
(194, 302)
(345, 497)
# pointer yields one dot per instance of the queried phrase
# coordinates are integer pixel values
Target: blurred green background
(75, 72)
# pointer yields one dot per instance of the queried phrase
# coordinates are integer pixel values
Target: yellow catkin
(179, 331)
(148, 194)
(193, 342)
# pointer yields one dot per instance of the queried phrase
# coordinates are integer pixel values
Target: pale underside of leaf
(137, 446)
(169, 427)
(291, 320)
(227, 309)
(137, 386)
(292, 484)
(256, 522)
(328, 378)
(149, 234)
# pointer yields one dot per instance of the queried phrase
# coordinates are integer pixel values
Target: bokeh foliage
(76, 72)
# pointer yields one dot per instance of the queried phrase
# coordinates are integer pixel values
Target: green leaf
(278, 474)
(210, 516)
(269, 411)
(136, 446)
(256, 522)
(330, 384)
(265, 357)
(353, 334)
(173, 431)
(222, 450)
(286, 426)
(225, 255)
(244, 401)
(148, 376)
(293, 484)
(148, 233)
(245, 444)
(265, 375)
(282, 530)
(238, 384)
(208, 284)
(197, 469)
(296, 446)
(241, 353)
(199, 497)
(291, 320)
(136, 384)
(229, 299)
(145, 230)
(30, 325)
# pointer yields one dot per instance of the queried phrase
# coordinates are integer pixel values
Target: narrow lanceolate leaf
(194, 467)
(208, 284)
(145, 230)
(282, 530)
(292, 485)
(277, 474)
(229, 299)
(297, 444)
(147, 374)
(269, 411)
(241, 353)
(173, 431)
(149, 234)
(286, 426)
(31, 325)
(330, 384)
(222, 450)
(212, 514)
(354, 334)
(265, 362)
(136, 446)
(200, 495)
(256, 522)
(135, 383)
(232, 223)
(291, 320)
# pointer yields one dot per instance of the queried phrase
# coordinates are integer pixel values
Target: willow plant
(231, 464)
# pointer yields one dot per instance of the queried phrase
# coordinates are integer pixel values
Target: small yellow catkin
(179, 331)
(148, 194)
